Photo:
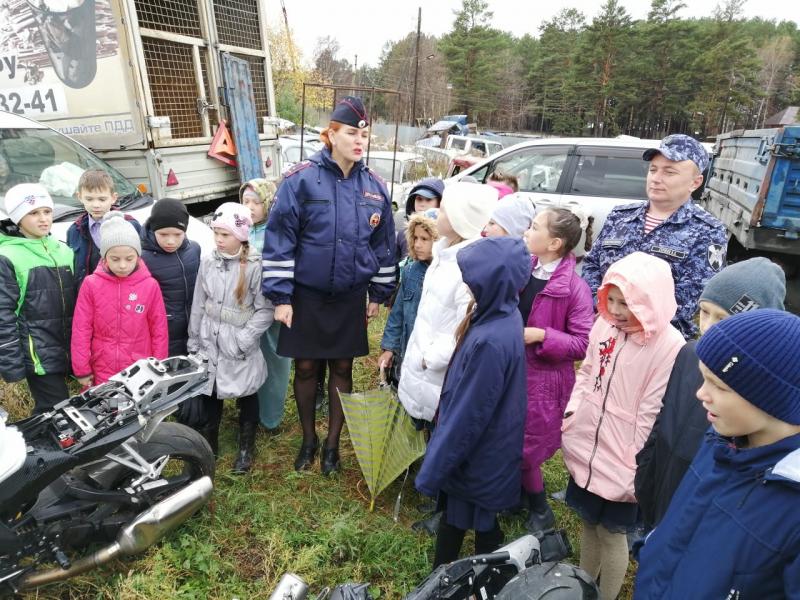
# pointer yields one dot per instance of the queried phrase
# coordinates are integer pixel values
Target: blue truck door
(782, 203)
(242, 109)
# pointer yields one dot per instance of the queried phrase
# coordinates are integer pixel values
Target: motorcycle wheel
(190, 457)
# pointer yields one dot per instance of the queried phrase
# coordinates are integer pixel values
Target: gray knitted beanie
(747, 285)
(116, 231)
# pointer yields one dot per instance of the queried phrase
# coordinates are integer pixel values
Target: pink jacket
(117, 321)
(622, 380)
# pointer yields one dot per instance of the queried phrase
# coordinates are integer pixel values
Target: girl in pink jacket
(119, 316)
(616, 398)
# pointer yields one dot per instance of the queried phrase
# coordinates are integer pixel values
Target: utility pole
(416, 70)
(355, 71)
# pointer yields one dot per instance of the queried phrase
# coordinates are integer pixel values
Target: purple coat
(564, 310)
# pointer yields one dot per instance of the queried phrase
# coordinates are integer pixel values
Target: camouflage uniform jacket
(692, 241)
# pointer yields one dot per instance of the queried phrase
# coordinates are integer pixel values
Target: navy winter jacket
(733, 527)
(176, 273)
(475, 452)
(330, 233)
(87, 255)
(674, 440)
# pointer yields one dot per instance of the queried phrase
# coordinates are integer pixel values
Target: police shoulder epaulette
(376, 176)
(298, 167)
(700, 213)
(632, 206)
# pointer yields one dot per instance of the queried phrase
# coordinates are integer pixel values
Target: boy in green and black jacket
(37, 297)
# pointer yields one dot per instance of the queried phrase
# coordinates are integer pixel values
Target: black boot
(429, 525)
(329, 460)
(211, 434)
(247, 444)
(305, 457)
(541, 517)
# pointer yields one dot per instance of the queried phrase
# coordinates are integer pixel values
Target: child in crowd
(511, 216)
(557, 310)
(119, 316)
(473, 459)
(421, 234)
(426, 194)
(35, 311)
(257, 195)
(616, 398)
(507, 178)
(229, 316)
(501, 188)
(733, 529)
(96, 193)
(682, 423)
(464, 211)
(173, 260)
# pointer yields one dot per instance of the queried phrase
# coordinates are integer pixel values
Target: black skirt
(325, 326)
(616, 517)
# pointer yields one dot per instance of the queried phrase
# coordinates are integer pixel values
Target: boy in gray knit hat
(679, 429)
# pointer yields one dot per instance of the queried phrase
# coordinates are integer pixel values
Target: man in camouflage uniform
(669, 226)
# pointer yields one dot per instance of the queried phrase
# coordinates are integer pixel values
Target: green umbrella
(383, 436)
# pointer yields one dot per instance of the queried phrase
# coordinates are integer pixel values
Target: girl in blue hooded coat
(474, 456)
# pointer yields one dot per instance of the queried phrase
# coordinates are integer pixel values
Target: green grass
(275, 520)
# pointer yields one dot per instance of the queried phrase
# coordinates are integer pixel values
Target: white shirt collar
(546, 271)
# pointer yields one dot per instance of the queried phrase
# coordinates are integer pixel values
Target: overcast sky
(363, 27)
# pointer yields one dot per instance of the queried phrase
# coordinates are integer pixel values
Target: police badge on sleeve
(716, 256)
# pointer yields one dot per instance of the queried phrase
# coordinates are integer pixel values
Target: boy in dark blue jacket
(474, 456)
(96, 193)
(173, 260)
(681, 424)
(732, 530)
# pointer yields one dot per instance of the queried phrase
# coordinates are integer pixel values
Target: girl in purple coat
(556, 307)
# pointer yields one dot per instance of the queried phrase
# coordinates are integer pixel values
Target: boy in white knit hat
(35, 311)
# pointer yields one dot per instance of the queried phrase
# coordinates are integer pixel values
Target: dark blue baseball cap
(350, 111)
(678, 147)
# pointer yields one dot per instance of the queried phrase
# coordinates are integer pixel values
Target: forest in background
(604, 76)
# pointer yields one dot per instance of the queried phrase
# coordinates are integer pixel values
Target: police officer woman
(329, 243)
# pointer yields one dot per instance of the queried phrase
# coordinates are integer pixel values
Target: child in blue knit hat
(732, 529)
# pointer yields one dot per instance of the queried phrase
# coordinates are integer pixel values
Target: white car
(290, 150)
(595, 173)
(34, 153)
(408, 169)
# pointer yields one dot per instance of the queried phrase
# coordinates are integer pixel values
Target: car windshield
(383, 167)
(55, 161)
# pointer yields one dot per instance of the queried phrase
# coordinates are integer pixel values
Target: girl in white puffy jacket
(464, 210)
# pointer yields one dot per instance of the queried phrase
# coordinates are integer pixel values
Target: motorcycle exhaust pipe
(141, 533)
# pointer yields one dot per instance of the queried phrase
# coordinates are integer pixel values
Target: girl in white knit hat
(464, 211)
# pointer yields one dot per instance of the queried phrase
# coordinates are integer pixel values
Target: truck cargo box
(754, 187)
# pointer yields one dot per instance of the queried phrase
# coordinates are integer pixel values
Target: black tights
(450, 538)
(248, 409)
(340, 377)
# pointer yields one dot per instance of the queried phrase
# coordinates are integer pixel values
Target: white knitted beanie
(468, 207)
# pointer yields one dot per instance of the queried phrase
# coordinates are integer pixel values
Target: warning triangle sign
(223, 148)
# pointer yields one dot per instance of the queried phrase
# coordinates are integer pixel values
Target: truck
(753, 187)
(177, 95)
